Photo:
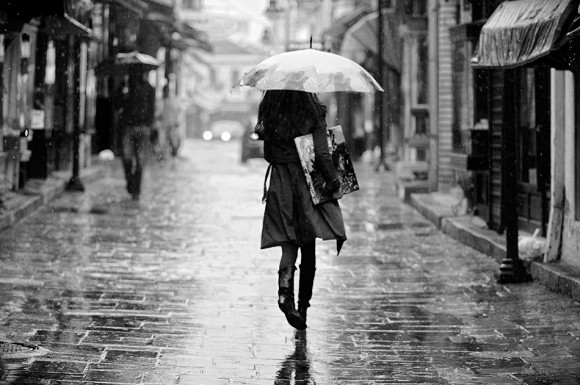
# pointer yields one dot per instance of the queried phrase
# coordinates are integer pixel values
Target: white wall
(571, 233)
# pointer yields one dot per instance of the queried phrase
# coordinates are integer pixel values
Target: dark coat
(290, 215)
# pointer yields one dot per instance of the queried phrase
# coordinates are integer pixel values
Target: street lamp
(75, 183)
(381, 81)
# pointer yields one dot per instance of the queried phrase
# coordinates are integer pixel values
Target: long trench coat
(290, 215)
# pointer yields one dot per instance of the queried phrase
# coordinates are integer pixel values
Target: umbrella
(136, 58)
(123, 63)
(309, 70)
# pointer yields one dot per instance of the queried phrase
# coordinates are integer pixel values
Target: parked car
(224, 130)
(252, 147)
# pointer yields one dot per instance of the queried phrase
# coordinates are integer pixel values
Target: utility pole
(381, 80)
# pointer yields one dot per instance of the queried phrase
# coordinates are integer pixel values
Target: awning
(334, 35)
(361, 40)
(73, 15)
(522, 31)
(191, 37)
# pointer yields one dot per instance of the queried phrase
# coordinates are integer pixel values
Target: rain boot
(305, 290)
(286, 297)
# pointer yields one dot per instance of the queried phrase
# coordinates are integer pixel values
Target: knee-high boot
(286, 297)
(305, 290)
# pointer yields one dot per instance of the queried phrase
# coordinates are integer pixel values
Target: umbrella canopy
(124, 63)
(310, 70)
(136, 58)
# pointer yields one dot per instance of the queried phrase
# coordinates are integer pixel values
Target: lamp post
(75, 183)
(380, 95)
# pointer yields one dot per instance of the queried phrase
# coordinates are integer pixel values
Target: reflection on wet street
(173, 289)
(297, 365)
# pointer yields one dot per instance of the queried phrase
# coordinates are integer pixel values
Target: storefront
(512, 48)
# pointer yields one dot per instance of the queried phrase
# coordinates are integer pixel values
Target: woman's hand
(324, 187)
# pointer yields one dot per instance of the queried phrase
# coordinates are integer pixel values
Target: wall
(571, 231)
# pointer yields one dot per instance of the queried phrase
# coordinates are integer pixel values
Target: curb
(559, 277)
(39, 192)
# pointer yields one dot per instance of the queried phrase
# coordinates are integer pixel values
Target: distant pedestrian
(291, 220)
(170, 121)
(136, 120)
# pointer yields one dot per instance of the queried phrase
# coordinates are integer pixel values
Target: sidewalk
(559, 277)
(38, 192)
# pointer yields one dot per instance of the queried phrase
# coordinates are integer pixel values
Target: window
(482, 9)
(526, 132)
(415, 7)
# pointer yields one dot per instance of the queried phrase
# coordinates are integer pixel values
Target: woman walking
(291, 220)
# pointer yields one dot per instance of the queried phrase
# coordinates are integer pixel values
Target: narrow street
(174, 289)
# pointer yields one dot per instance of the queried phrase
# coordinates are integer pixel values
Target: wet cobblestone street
(174, 289)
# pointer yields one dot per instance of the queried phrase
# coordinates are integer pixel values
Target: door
(533, 147)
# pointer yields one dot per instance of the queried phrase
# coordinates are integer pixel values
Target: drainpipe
(75, 183)
(433, 94)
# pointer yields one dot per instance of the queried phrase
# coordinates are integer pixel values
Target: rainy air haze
(289, 192)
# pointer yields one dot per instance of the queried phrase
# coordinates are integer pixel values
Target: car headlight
(226, 136)
(207, 135)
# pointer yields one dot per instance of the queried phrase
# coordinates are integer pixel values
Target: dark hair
(286, 114)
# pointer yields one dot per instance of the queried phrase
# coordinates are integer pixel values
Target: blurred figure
(170, 121)
(136, 119)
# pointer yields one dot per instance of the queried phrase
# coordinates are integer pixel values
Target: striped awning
(520, 32)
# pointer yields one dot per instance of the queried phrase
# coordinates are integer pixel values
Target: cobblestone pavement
(174, 290)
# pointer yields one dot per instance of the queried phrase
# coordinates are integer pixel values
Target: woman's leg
(307, 271)
(286, 285)
(289, 255)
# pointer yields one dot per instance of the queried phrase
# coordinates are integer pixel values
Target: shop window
(526, 132)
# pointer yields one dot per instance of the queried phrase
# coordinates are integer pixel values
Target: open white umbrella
(310, 70)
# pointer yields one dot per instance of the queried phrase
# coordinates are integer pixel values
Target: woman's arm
(323, 159)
